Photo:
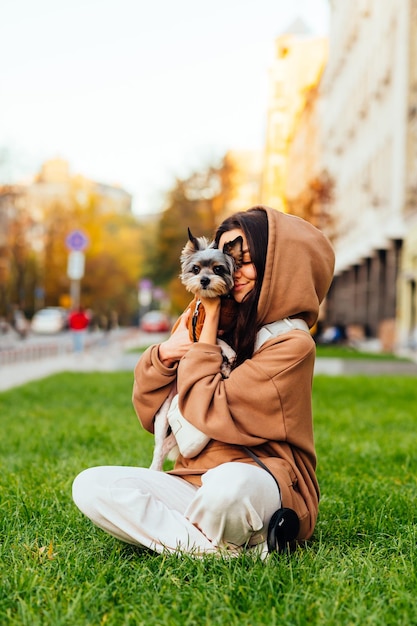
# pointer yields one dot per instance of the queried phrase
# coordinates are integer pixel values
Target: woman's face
(245, 276)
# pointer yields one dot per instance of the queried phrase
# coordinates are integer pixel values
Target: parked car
(155, 322)
(49, 321)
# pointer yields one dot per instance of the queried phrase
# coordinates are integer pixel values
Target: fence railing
(42, 350)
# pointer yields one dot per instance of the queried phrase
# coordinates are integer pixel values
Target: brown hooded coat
(265, 404)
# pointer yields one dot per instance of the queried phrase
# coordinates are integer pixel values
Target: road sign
(145, 292)
(75, 268)
(77, 240)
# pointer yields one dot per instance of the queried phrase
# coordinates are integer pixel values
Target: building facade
(309, 189)
(296, 68)
(366, 98)
(55, 182)
(407, 291)
(246, 174)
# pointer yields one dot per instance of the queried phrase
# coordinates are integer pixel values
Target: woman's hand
(174, 348)
(211, 321)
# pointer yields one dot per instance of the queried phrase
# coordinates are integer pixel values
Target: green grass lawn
(347, 352)
(56, 568)
(335, 352)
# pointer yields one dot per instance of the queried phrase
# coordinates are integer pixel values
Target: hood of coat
(298, 271)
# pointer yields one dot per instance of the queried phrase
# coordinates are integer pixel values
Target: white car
(49, 321)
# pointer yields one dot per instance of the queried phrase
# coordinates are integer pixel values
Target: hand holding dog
(179, 342)
(211, 322)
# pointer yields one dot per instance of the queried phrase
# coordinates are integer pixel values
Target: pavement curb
(111, 356)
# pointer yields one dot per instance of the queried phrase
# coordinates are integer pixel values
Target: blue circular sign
(76, 241)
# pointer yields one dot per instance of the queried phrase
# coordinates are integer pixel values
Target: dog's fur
(208, 272)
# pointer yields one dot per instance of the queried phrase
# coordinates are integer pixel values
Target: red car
(155, 322)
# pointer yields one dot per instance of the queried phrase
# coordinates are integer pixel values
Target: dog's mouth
(209, 291)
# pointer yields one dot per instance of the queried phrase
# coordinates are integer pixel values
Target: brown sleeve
(152, 383)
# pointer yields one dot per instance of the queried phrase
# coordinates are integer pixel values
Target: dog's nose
(205, 281)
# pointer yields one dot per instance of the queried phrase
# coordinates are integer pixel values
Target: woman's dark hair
(254, 223)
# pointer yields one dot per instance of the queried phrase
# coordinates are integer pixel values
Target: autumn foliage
(34, 257)
(197, 202)
(122, 249)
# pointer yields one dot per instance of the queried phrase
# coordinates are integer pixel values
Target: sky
(137, 92)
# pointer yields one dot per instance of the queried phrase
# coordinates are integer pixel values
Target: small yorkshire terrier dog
(206, 271)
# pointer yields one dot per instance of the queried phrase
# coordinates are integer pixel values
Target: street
(34, 358)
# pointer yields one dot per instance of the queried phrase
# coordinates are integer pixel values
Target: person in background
(20, 323)
(78, 323)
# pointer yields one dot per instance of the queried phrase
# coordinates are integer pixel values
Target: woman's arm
(211, 321)
(156, 373)
(263, 398)
(174, 348)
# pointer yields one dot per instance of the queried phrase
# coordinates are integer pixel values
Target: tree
(18, 262)
(196, 203)
(35, 221)
(113, 264)
(113, 257)
(314, 203)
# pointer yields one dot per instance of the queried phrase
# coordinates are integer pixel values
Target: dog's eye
(219, 270)
(195, 269)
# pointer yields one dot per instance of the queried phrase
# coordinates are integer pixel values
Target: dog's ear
(198, 243)
(235, 250)
(193, 240)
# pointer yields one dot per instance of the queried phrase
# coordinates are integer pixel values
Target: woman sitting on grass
(221, 499)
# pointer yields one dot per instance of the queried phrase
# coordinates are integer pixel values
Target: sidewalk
(113, 356)
(366, 367)
(107, 356)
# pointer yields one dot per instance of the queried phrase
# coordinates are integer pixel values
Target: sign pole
(75, 293)
(76, 242)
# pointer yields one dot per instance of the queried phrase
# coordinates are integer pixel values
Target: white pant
(164, 512)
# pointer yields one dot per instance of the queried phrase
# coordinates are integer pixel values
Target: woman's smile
(245, 275)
